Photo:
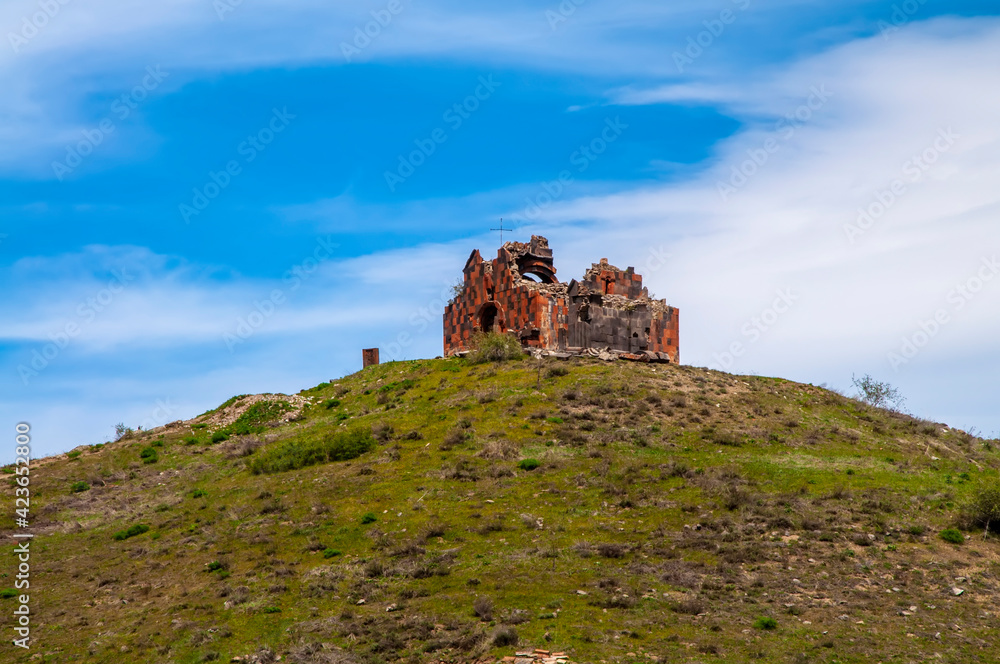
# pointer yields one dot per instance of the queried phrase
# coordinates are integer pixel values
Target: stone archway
(489, 318)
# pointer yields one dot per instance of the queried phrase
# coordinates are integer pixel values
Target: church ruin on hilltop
(608, 313)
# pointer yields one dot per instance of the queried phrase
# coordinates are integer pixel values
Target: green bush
(301, 453)
(215, 565)
(983, 510)
(331, 553)
(219, 436)
(272, 609)
(529, 464)
(7, 593)
(952, 536)
(149, 455)
(199, 493)
(495, 347)
(191, 440)
(765, 622)
(132, 531)
(331, 403)
(369, 518)
(75, 454)
(78, 487)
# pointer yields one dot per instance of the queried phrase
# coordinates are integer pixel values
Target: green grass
(681, 522)
(340, 446)
(131, 531)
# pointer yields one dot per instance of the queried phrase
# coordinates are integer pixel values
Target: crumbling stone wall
(518, 293)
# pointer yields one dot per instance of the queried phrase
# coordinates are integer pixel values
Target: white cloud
(785, 227)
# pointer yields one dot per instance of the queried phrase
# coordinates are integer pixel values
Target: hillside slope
(675, 514)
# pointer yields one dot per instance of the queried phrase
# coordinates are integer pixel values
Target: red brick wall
(523, 310)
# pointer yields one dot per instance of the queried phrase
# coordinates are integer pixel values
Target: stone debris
(232, 412)
(537, 656)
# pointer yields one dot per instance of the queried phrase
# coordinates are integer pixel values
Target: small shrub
(691, 606)
(555, 372)
(199, 493)
(331, 553)
(952, 536)
(149, 455)
(878, 394)
(191, 440)
(291, 455)
(529, 464)
(505, 636)
(611, 550)
(983, 510)
(765, 622)
(483, 608)
(368, 518)
(331, 403)
(132, 531)
(219, 436)
(75, 454)
(78, 487)
(495, 347)
(272, 609)
(215, 565)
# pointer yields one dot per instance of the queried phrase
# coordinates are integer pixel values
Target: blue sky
(728, 150)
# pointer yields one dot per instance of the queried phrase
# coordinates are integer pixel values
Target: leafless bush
(483, 608)
(499, 449)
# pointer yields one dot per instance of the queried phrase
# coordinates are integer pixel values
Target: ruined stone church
(607, 312)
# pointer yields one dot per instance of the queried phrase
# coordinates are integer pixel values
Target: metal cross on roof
(501, 229)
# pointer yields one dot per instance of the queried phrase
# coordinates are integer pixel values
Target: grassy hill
(457, 512)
